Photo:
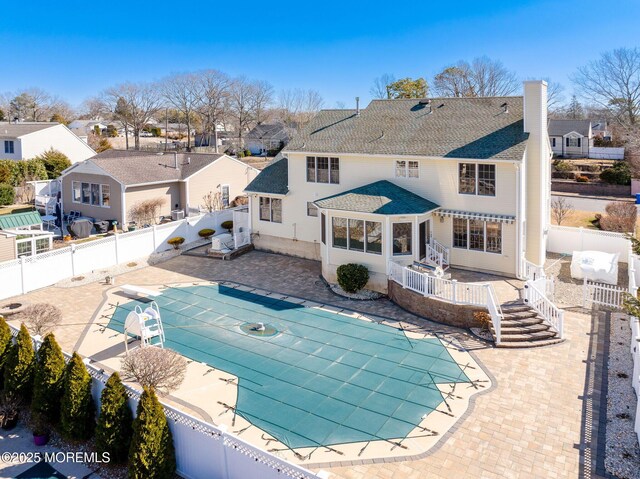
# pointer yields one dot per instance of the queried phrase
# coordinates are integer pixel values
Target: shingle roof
(15, 130)
(266, 131)
(17, 220)
(274, 179)
(381, 197)
(448, 127)
(562, 127)
(136, 167)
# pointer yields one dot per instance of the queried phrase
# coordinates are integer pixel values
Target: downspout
(123, 205)
(519, 259)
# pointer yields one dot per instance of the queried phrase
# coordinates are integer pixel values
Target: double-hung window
(9, 147)
(477, 179)
(94, 194)
(312, 210)
(270, 209)
(477, 235)
(573, 142)
(323, 169)
(225, 195)
(407, 169)
(76, 188)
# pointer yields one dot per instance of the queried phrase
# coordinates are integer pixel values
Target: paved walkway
(532, 424)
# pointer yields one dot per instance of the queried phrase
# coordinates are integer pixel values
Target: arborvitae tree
(76, 407)
(113, 431)
(49, 376)
(5, 346)
(18, 368)
(151, 453)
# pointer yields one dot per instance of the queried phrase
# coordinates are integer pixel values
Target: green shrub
(7, 194)
(152, 453)
(228, 225)
(564, 175)
(618, 174)
(240, 154)
(18, 368)
(206, 233)
(247, 152)
(352, 277)
(582, 179)
(5, 347)
(76, 406)
(55, 162)
(48, 378)
(113, 431)
(15, 173)
(156, 131)
(562, 166)
(176, 241)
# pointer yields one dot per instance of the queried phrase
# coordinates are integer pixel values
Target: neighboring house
(401, 179)
(22, 141)
(84, 127)
(571, 138)
(265, 137)
(600, 128)
(21, 234)
(106, 186)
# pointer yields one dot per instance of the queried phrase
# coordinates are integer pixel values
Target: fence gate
(602, 294)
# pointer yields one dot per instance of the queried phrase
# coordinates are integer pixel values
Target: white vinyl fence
(205, 451)
(38, 271)
(606, 152)
(634, 347)
(602, 294)
(566, 240)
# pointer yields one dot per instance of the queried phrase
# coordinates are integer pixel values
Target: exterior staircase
(522, 327)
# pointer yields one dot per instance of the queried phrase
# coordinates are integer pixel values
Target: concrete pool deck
(536, 422)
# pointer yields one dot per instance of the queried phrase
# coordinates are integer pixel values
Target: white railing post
(404, 277)
(585, 287)
(454, 284)
(155, 242)
(73, 259)
(22, 278)
(117, 248)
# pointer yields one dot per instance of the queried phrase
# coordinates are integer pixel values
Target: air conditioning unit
(177, 215)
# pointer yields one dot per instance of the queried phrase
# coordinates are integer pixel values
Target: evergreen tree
(76, 407)
(5, 347)
(18, 368)
(152, 453)
(113, 431)
(47, 383)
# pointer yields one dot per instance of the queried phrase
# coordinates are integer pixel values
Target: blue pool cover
(325, 379)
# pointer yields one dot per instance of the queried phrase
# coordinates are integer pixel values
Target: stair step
(548, 334)
(530, 344)
(520, 315)
(514, 308)
(506, 322)
(534, 328)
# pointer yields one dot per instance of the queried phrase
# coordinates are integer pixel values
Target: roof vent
(188, 160)
(425, 101)
(357, 106)
(505, 107)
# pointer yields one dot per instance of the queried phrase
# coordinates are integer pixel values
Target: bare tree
(35, 104)
(182, 91)
(134, 104)
(94, 108)
(296, 107)
(482, 77)
(555, 96)
(40, 318)
(621, 217)
(213, 101)
(613, 81)
(379, 88)
(146, 211)
(262, 99)
(151, 366)
(242, 105)
(212, 201)
(561, 210)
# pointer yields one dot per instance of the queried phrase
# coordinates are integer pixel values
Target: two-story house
(22, 141)
(462, 180)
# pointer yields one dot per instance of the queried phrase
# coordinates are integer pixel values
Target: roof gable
(17, 130)
(563, 127)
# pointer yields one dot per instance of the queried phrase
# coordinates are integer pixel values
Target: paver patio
(533, 423)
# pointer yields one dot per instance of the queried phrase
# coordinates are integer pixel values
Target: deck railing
(441, 249)
(451, 291)
(536, 298)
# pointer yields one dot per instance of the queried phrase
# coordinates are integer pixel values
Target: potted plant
(9, 410)
(228, 225)
(206, 233)
(40, 430)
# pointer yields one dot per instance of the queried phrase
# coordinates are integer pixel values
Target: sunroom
(372, 225)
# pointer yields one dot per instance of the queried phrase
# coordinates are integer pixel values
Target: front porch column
(387, 243)
(415, 239)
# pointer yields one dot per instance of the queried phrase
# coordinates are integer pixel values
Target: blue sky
(337, 47)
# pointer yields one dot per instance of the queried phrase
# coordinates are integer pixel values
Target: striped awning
(476, 216)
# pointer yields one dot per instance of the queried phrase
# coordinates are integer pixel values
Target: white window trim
(410, 253)
(101, 205)
(222, 195)
(484, 241)
(270, 220)
(310, 203)
(315, 164)
(477, 173)
(406, 169)
(364, 224)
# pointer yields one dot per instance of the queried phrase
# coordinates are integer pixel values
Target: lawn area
(577, 219)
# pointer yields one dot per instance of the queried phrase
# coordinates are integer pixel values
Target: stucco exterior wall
(113, 212)
(224, 171)
(169, 192)
(58, 137)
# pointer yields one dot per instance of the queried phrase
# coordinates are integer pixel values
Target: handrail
(495, 311)
(543, 305)
(533, 271)
(440, 248)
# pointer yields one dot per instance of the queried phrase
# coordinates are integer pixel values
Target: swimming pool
(323, 378)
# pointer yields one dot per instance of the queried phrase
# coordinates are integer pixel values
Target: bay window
(357, 235)
(339, 233)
